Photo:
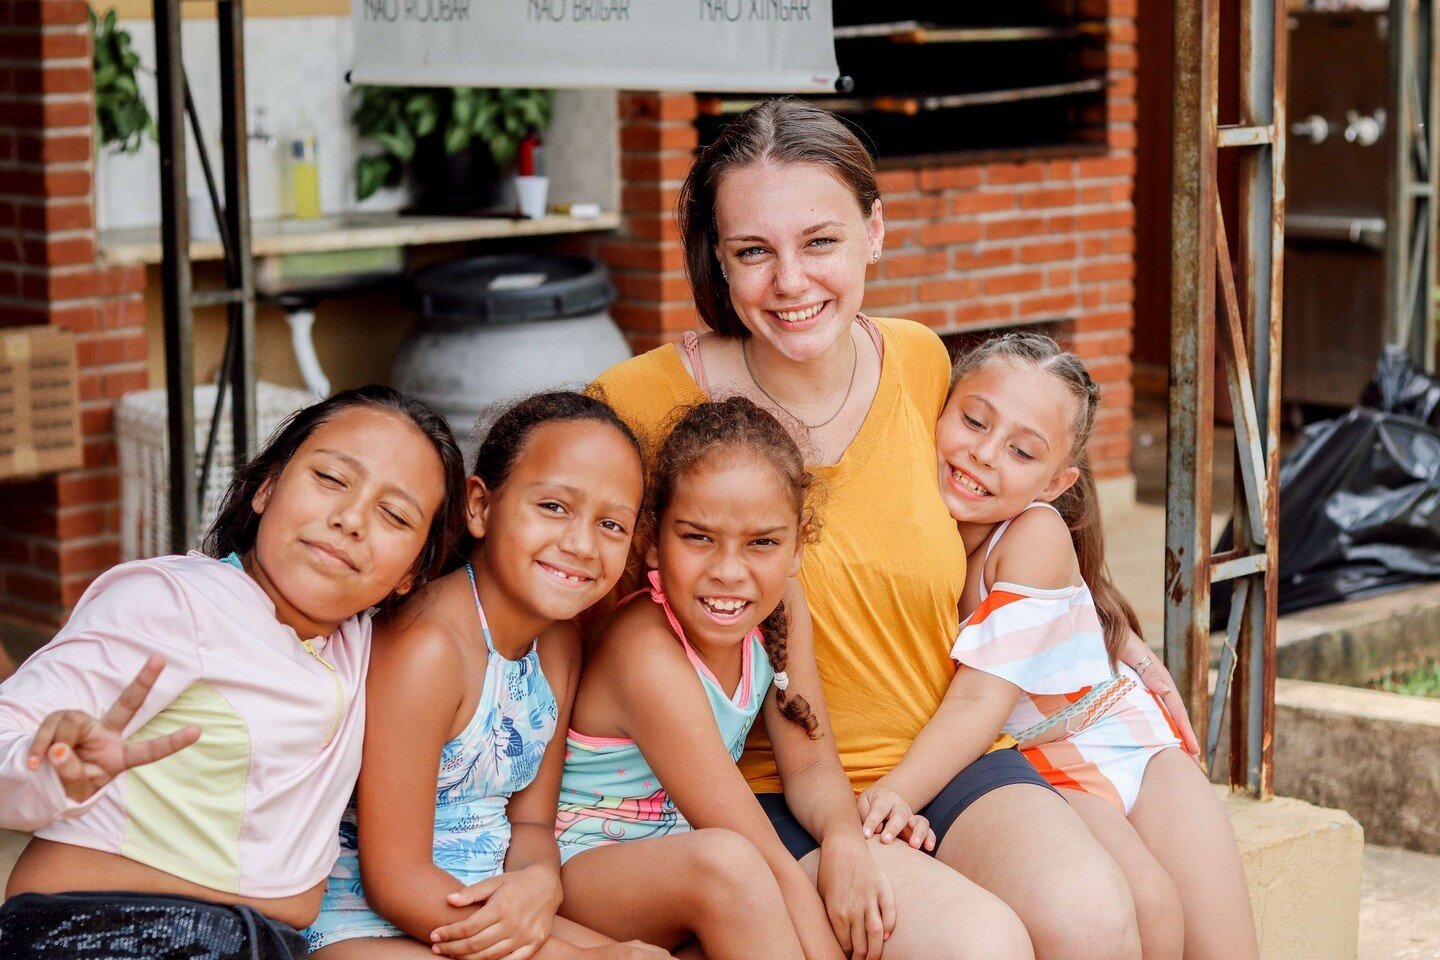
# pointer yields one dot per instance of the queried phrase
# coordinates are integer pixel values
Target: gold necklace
(854, 365)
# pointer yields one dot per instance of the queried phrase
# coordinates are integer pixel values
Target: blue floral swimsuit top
(497, 754)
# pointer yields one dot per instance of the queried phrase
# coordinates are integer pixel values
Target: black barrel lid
(510, 287)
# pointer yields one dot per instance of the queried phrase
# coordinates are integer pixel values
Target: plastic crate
(140, 428)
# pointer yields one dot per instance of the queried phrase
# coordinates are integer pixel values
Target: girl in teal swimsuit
(653, 810)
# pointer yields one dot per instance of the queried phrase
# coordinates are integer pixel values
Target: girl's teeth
(969, 484)
(724, 606)
(796, 316)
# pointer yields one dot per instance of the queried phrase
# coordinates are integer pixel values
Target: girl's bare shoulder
(635, 640)
(1036, 551)
(560, 650)
(425, 632)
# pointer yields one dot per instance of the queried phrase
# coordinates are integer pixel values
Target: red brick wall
(57, 533)
(967, 247)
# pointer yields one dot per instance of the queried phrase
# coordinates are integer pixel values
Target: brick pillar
(657, 146)
(58, 532)
(1104, 327)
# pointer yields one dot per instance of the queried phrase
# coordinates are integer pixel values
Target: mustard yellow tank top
(884, 582)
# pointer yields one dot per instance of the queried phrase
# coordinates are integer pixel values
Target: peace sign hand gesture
(88, 753)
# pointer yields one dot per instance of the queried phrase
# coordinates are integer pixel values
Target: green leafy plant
(1424, 682)
(397, 118)
(120, 111)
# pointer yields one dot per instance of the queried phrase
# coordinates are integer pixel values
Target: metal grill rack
(939, 79)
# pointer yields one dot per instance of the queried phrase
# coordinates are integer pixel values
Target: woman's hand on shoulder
(858, 897)
(1036, 552)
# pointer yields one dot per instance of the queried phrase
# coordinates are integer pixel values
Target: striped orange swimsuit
(1084, 725)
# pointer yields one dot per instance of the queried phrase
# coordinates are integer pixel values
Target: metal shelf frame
(1247, 326)
(232, 213)
(1410, 314)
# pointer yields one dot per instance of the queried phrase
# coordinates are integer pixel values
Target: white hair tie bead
(782, 680)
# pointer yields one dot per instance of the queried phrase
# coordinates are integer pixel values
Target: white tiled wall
(295, 69)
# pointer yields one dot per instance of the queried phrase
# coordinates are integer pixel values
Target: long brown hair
(775, 131)
(1078, 505)
(727, 428)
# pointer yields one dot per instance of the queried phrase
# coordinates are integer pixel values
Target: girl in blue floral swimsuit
(449, 838)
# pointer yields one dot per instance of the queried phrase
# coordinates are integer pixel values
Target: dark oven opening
(937, 78)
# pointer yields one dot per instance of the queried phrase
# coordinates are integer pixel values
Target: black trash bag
(1359, 497)
(1398, 387)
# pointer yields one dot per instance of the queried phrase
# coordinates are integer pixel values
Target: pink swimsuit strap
(690, 344)
(657, 594)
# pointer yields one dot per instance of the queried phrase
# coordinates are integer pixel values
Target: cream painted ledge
(350, 231)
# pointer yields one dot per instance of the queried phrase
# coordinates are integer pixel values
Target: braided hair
(725, 428)
(1078, 505)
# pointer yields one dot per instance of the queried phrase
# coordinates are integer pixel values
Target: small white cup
(531, 193)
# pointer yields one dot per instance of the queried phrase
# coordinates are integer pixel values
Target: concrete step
(1302, 865)
(1398, 912)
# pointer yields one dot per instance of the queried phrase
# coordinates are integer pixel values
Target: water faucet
(1364, 130)
(1313, 128)
(260, 129)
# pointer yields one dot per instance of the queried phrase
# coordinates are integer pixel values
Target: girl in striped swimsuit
(660, 836)
(1042, 653)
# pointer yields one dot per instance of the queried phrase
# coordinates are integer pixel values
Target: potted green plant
(122, 120)
(456, 141)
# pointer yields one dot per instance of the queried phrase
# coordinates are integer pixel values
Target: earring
(875, 257)
(725, 277)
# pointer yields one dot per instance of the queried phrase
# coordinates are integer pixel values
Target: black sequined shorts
(131, 926)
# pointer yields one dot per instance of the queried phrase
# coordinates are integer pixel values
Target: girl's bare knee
(1159, 914)
(1089, 916)
(990, 931)
(725, 874)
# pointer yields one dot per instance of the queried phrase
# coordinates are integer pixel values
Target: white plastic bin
(140, 429)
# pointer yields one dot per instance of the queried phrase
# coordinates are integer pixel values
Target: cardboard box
(39, 402)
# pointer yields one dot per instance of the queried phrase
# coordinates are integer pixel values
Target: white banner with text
(752, 46)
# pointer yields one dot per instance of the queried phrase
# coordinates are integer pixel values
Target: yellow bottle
(305, 177)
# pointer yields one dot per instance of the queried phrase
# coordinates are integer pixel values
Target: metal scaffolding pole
(1247, 328)
(175, 276)
(232, 213)
(1410, 237)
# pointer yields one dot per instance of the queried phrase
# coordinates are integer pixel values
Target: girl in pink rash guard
(192, 735)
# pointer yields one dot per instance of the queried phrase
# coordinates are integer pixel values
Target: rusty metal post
(1410, 315)
(1247, 326)
(1261, 243)
(1192, 352)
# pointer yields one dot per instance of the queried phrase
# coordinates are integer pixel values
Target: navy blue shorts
(990, 772)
